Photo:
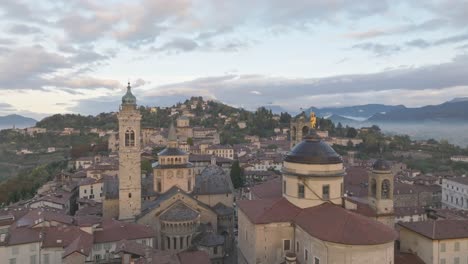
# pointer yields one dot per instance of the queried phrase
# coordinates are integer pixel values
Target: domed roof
(129, 98)
(312, 150)
(381, 165)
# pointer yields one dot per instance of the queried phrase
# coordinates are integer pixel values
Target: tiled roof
(223, 210)
(113, 231)
(333, 223)
(407, 258)
(81, 244)
(194, 257)
(439, 229)
(267, 190)
(269, 210)
(213, 180)
(209, 239)
(327, 222)
(179, 212)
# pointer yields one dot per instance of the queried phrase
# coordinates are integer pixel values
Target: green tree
(352, 132)
(190, 141)
(237, 177)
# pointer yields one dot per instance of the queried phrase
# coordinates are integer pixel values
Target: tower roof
(172, 133)
(129, 98)
(312, 150)
(381, 165)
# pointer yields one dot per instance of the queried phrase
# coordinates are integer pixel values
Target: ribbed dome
(312, 150)
(381, 165)
(129, 98)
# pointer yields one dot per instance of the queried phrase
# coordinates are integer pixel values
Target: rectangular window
(297, 246)
(159, 185)
(316, 260)
(32, 259)
(189, 184)
(300, 191)
(46, 259)
(342, 189)
(442, 247)
(442, 261)
(12, 261)
(457, 246)
(15, 251)
(284, 186)
(215, 250)
(326, 192)
(306, 254)
(286, 244)
(456, 260)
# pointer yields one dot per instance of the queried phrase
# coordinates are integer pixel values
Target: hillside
(357, 111)
(455, 110)
(17, 121)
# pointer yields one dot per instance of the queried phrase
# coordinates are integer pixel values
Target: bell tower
(381, 192)
(129, 157)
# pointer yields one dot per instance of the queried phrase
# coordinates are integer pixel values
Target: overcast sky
(77, 56)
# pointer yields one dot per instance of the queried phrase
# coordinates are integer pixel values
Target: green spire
(129, 98)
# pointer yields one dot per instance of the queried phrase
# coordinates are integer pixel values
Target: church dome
(381, 165)
(312, 150)
(129, 98)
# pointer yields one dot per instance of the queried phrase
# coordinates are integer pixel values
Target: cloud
(177, 45)
(22, 29)
(431, 24)
(378, 49)
(6, 107)
(419, 43)
(229, 88)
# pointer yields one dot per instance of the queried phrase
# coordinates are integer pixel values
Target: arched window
(385, 189)
(373, 188)
(293, 133)
(129, 138)
(168, 243)
(305, 131)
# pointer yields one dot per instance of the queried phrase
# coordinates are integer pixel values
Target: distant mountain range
(455, 110)
(17, 121)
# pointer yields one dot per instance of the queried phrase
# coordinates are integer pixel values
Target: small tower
(129, 157)
(299, 128)
(381, 192)
(173, 167)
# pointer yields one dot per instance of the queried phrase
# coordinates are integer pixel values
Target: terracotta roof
(194, 257)
(269, 189)
(333, 223)
(23, 236)
(37, 216)
(407, 258)
(269, 210)
(81, 244)
(113, 231)
(131, 247)
(60, 236)
(439, 229)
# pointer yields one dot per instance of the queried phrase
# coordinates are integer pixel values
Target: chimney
(290, 258)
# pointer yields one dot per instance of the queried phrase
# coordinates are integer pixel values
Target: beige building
(308, 224)
(436, 242)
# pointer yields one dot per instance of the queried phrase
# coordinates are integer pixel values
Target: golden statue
(313, 120)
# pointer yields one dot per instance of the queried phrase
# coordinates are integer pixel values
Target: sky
(70, 56)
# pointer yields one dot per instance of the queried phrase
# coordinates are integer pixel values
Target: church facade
(177, 208)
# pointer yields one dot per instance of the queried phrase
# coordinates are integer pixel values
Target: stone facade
(129, 160)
